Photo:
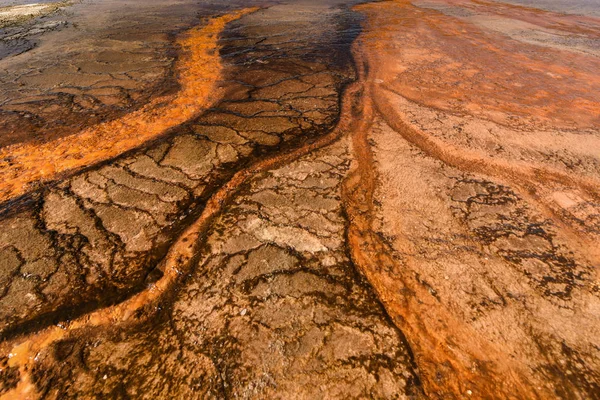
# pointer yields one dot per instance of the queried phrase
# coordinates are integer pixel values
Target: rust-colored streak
(448, 367)
(447, 64)
(199, 70)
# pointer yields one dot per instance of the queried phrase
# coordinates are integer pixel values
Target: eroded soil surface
(302, 199)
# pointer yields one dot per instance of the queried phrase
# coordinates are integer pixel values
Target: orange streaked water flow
(199, 70)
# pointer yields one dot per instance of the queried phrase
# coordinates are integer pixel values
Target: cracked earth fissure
(90, 188)
(184, 252)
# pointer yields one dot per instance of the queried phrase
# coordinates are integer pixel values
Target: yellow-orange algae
(199, 69)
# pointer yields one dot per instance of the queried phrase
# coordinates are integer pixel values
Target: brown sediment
(22, 352)
(199, 70)
(103, 231)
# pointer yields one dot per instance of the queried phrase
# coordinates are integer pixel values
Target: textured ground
(486, 194)
(393, 200)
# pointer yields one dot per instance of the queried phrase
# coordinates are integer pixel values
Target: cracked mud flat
(302, 200)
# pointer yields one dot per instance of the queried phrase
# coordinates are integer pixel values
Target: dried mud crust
(509, 289)
(501, 221)
(274, 308)
(94, 238)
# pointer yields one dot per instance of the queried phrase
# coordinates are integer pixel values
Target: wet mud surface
(81, 64)
(301, 200)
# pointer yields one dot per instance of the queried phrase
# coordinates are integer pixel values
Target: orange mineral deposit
(199, 69)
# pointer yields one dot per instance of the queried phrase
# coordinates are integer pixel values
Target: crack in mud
(158, 190)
